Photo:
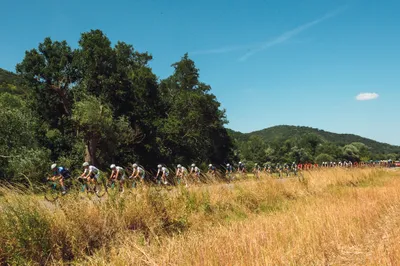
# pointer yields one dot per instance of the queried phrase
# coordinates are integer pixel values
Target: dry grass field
(332, 217)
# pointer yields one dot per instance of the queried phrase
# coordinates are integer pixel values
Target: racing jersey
(92, 169)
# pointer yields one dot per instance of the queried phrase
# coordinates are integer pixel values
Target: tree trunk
(90, 150)
(64, 99)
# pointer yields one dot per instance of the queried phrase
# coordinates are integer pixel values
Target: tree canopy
(102, 103)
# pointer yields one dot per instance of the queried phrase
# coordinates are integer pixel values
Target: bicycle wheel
(100, 190)
(52, 193)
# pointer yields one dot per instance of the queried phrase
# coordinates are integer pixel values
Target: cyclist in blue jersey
(229, 171)
(60, 174)
(212, 170)
(241, 168)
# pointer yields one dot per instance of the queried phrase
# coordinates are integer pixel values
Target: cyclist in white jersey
(195, 171)
(162, 173)
(118, 174)
(181, 174)
(138, 172)
(90, 173)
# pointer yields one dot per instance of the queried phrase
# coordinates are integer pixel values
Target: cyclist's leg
(96, 181)
(142, 177)
(166, 178)
(121, 183)
(64, 190)
(88, 182)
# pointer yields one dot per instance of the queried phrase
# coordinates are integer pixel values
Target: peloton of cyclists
(91, 174)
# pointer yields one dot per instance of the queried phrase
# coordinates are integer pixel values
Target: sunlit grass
(266, 221)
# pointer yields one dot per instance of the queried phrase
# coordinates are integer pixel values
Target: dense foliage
(103, 104)
(285, 144)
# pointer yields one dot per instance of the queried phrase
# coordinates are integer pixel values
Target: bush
(323, 157)
(33, 164)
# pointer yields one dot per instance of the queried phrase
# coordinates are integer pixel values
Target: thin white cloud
(224, 50)
(258, 47)
(289, 34)
(366, 96)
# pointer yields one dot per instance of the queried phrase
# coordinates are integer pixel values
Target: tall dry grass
(317, 221)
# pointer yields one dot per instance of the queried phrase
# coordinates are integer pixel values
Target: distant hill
(283, 132)
(10, 82)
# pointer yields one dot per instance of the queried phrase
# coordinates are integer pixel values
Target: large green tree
(192, 124)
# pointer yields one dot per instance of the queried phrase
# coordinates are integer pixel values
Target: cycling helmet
(112, 166)
(53, 166)
(134, 165)
(227, 165)
(209, 165)
(240, 162)
(85, 164)
(179, 166)
(193, 165)
(256, 164)
(159, 166)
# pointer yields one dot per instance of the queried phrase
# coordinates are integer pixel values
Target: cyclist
(117, 174)
(294, 168)
(229, 171)
(279, 170)
(181, 173)
(212, 170)
(286, 169)
(138, 172)
(60, 174)
(90, 174)
(195, 171)
(257, 170)
(241, 168)
(269, 169)
(162, 174)
(300, 166)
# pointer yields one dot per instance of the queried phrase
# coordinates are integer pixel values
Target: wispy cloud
(365, 96)
(258, 47)
(226, 49)
(290, 34)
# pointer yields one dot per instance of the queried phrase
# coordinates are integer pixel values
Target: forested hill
(280, 134)
(10, 82)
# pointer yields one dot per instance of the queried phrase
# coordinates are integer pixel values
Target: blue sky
(269, 62)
